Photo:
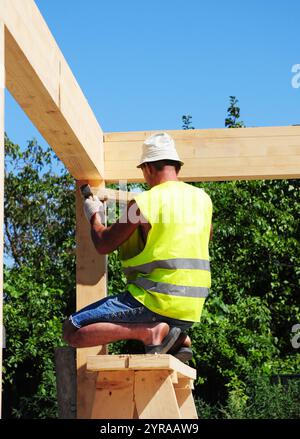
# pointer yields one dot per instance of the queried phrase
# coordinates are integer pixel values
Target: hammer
(86, 192)
(108, 194)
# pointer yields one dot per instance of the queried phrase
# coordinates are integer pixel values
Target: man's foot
(182, 341)
(165, 344)
(156, 333)
(181, 349)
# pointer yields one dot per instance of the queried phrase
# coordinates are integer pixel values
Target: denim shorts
(123, 308)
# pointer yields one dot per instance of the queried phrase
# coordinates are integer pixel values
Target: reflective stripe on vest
(170, 289)
(171, 264)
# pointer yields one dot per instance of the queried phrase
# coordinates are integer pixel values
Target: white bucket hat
(159, 146)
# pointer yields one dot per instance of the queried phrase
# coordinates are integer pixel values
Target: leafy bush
(260, 399)
(39, 283)
(229, 343)
(256, 248)
(33, 315)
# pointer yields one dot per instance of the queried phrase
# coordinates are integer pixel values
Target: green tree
(254, 301)
(39, 213)
(232, 119)
(40, 277)
(187, 122)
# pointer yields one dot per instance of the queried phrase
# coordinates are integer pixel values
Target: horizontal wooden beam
(116, 196)
(39, 78)
(98, 363)
(212, 155)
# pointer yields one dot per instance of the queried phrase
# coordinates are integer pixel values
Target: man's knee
(69, 333)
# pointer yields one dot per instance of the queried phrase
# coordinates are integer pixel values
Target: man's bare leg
(103, 333)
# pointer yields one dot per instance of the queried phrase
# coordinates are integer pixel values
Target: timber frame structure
(35, 72)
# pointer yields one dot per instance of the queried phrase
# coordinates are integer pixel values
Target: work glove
(92, 206)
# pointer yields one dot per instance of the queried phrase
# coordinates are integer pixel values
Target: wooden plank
(84, 123)
(161, 361)
(212, 133)
(40, 79)
(185, 399)
(220, 169)
(117, 196)
(218, 154)
(31, 33)
(91, 286)
(189, 149)
(114, 395)
(140, 362)
(186, 403)
(2, 85)
(107, 362)
(65, 367)
(155, 395)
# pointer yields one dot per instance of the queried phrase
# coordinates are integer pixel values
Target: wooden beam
(140, 362)
(65, 368)
(91, 286)
(155, 395)
(114, 396)
(158, 385)
(185, 398)
(117, 196)
(39, 78)
(2, 85)
(211, 155)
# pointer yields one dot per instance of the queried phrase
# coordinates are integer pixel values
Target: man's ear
(146, 168)
(149, 168)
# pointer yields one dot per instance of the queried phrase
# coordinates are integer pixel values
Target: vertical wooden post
(65, 366)
(2, 85)
(91, 286)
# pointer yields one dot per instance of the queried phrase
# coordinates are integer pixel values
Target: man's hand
(92, 206)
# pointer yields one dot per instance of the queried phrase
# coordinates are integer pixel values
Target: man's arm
(108, 239)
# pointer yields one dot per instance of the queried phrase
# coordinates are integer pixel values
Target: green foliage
(187, 122)
(262, 247)
(259, 399)
(40, 285)
(233, 110)
(231, 341)
(33, 315)
(39, 214)
(117, 279)
(254, 301)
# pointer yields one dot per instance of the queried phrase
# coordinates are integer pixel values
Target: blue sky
(142, 65)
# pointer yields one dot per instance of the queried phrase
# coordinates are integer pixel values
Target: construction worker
(163, 238)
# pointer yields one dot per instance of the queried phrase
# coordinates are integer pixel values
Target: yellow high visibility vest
(170, 275)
